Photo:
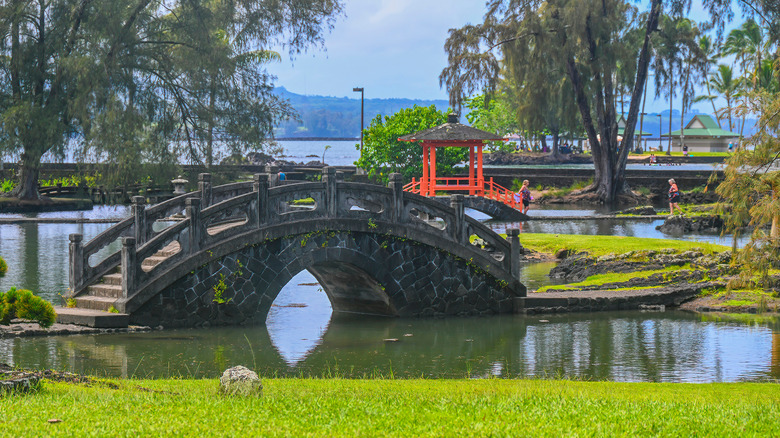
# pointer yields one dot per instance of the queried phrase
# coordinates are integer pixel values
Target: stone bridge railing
(214, 214)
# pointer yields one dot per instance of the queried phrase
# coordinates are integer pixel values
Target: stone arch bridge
(375, 250)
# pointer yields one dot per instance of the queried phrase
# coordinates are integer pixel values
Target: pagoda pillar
(472, 180)
(433, 171)
(480, 177)
(424, 180)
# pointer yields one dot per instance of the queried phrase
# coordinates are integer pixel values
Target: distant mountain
(339, 117)
(327, 116)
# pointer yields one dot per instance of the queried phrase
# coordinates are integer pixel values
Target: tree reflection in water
(620, 346)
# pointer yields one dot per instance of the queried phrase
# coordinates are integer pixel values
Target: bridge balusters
(139, 214)
(204, 185)
(457, 230)
(331, 195)
(76, 262)
(195, 234)
(396, 184)
(260, 186)
(129, 267)
(516, 250)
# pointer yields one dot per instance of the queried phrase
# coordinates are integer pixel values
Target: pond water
(303, 341)
(302, 337)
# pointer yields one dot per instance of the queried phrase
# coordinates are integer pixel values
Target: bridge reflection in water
(620, 346)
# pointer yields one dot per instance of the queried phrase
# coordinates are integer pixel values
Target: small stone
(390, 340)
(408, 335)
(55, 420)
(240, 381)
(544, 320)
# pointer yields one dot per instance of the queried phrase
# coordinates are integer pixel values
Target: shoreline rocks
(678, 225)
(19, 329)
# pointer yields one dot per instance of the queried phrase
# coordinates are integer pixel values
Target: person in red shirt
(674, 197)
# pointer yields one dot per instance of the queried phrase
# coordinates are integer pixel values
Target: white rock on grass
(240, 381)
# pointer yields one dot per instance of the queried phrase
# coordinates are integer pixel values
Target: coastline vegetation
(388, 407)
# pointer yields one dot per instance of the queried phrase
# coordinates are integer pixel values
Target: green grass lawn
(406, 408)
(612, 277)
(602, 245)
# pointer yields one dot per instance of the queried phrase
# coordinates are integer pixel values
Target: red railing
(487, 189)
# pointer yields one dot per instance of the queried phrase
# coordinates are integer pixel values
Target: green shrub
(3, 267)
(644, 191)
(7, 185)
(21, 303)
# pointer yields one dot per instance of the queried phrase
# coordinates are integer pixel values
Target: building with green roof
(621, 122)
(702, 134)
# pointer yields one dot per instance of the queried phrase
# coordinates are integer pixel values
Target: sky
(393, 49)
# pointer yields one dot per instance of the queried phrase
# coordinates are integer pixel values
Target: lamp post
(641, 123)
(360, 89)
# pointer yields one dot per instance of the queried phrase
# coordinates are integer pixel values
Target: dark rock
(645, 210)
(678, 225)
(563, 253)
(259, 158)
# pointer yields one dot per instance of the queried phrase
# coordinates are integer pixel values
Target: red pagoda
(454, 134)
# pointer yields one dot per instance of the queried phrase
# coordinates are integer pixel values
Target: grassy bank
(335, 407)
(603, 245)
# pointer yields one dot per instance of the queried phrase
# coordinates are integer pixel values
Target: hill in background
(339, 117)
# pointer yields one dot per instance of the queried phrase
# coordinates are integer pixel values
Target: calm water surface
(303, 341)
(302, 337)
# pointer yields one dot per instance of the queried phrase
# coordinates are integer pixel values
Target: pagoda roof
(703, 126)
(451, 131)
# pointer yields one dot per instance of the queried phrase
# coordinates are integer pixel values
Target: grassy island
(339, 407)
(633, 263)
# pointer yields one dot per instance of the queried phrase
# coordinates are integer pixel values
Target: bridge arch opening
(298, 318)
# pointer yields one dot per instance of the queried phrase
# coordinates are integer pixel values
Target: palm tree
(724, 84)
(711, 56)
(748, 45)
(677, 56)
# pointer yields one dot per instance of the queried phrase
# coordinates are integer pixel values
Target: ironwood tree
(751, 186)
(588, 40)
(143, 80)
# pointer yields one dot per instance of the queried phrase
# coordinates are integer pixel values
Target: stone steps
(95, 303)
(105, 290)
(114, 279)
(91, 318)
(92, 307)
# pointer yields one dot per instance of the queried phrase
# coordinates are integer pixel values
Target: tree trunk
(609, 163)
(728, 105)
(27, 184)
(774, 232)
(671, 108)
(555, 140)
(682, 112)
(210, 132)
(712, 101)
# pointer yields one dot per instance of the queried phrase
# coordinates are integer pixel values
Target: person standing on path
(525, 196)
(674, 197)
